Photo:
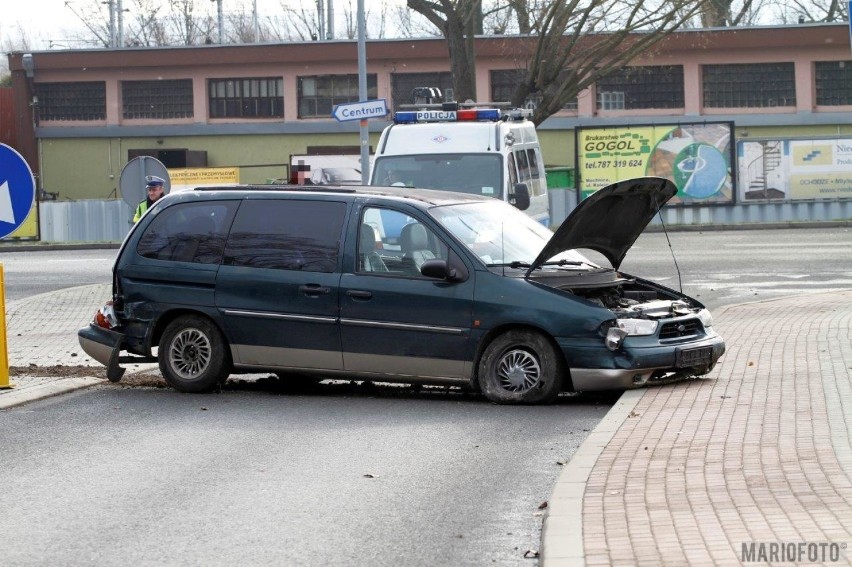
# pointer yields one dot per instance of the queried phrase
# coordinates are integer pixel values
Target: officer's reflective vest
(141, 208)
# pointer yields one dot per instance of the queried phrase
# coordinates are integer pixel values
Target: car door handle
(359, 294)
(314, 289)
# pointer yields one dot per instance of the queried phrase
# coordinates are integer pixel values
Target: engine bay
(624, 295)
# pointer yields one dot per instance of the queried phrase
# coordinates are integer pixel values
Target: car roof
(420, 197)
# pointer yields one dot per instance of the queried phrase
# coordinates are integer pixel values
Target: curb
(46, 390)
(562, 529)
(59, 246)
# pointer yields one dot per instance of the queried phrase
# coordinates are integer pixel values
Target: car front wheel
(520, 367)
(193, 355)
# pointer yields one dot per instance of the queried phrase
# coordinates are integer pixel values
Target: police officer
(154, 186)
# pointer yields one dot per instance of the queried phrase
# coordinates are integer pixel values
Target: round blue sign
(17, 190)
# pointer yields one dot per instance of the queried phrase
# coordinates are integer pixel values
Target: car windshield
(475, 174)
(501, 235)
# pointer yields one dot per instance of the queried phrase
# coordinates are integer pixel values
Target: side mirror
(521, 197)
(438, 269)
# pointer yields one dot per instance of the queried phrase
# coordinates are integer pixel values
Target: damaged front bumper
(638, 367)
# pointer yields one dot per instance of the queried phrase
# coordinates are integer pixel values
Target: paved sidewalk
(42, 331)
(754, 459)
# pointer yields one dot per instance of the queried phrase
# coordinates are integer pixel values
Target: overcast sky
(52, 21)
(42, 19)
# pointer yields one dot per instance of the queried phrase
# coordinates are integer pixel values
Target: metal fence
(84, 221)
(109, 220)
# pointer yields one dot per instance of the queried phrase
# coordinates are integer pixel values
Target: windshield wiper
(563, 263)
(516, 264)
(520, 264)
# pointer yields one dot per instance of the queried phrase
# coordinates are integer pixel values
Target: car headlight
(705, 318)
(637, 326)
(623, 328)
(614, 338)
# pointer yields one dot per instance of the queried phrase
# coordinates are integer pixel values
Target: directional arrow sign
(17, 190)
(360, 110)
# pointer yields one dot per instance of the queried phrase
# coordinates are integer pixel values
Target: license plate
(694, 357)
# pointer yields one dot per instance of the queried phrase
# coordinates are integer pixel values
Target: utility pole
(221, 20)
(255, 22)
(362, 93)
(330, 26)
(321, 20)
(120, 18)
(111, 5)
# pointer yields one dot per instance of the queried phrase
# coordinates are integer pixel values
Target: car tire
(193, 355)
(521, 367)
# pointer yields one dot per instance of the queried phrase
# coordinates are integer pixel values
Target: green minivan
(395, 284)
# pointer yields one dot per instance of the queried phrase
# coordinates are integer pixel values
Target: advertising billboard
(190, 178)
(795, 169)
(697, 158)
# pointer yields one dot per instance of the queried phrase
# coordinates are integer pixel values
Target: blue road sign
(17, 190)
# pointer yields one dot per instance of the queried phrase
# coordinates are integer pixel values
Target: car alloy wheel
(189, 353)
(193, 354)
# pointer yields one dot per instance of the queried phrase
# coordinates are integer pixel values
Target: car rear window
(189, 232)
(287, 235)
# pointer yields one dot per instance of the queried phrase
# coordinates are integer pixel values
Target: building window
(659, 86)
(504, 82)
(157, 99)
(71, 101)
(833, 83)
(403, 83)
(319, 94)
(749, 85)
(246, 98)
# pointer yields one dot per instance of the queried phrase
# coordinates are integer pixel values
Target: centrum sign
(360, 110)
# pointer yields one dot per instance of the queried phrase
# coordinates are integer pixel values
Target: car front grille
(677, 329)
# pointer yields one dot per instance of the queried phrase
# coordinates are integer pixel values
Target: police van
(464, 147)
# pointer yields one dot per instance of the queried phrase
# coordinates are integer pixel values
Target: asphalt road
(117, 476)
(43, 271)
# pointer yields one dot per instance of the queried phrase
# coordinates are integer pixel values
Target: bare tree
(721, 13)
(95, 17)
(573, 43)
(145, 26)
(807, 11)
(17, 40)
(459, 21)
(186, 25)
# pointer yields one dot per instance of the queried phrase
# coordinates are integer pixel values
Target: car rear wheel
(520, 367)
(193, 355)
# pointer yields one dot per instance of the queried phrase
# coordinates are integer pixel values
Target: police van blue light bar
(467, 115)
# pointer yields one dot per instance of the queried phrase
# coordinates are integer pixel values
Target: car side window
(188, 232)
(393, 243)
(513, 172)
(538, 188)
(287, 234)
(523, 166)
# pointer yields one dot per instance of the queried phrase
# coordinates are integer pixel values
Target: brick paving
(42, 329)
(761, 451)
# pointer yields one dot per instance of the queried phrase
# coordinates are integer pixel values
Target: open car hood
(610, 220)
